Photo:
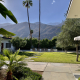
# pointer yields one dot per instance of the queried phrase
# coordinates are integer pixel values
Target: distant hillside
(22, 29)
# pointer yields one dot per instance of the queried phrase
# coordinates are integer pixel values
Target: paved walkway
(56, 71)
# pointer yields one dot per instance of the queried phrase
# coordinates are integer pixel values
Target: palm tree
(5, 12)
(28, 3)
(14, 61)
(39, 21)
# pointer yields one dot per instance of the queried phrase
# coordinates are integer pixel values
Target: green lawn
(24, 54)
(57, 57)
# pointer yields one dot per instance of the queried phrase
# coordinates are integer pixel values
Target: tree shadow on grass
(26, 53)
(72, 53)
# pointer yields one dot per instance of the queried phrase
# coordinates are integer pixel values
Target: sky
(52, 11)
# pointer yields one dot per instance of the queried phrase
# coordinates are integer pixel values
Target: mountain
(5, 24)
(56, 23)
(22, 29)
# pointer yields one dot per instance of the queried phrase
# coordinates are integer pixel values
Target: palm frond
(7, 53)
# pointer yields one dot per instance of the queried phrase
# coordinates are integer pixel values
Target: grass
(18, 56)
(24, 54)
(57, 57)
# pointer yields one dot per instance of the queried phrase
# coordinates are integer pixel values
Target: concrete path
(56, 71)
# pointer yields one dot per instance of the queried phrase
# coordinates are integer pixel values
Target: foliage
(5, 32)
(35, 42)
(69, 31)
(27, 53)
(45, 43)
(31, 31)
(28, 45)
(54, 39)
(18, 42)
(5, 12)
(57, 57)
(1, 60)
(79, 78)
(24, 73)
(13, 62)
(27, 3)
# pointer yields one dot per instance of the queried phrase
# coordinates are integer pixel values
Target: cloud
(53, 1)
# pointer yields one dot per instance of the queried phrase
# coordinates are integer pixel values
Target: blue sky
(52, 11)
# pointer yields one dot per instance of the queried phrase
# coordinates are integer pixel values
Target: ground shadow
(26, 53)
(72, 53)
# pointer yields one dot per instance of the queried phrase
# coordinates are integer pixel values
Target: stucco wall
(4, 45)
(74, 9)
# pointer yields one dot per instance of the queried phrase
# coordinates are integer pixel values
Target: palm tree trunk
(9, 75)
(39, 22)
(29, 26)
(77, 52)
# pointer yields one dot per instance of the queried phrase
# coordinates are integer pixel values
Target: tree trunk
(39, 24)
(9, 75)
(29, 26)
(31, 40)
(77, 52)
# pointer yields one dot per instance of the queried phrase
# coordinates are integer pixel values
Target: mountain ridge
(22, 29)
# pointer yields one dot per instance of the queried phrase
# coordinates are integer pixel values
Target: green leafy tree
(14, 61)
(62, 41)
(18, 42)
(28, 45)
(44, 43)
(28, 3)
(70, 30)
(35, 42)
(54, 39)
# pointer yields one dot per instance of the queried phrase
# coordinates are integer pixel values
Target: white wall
(4, 45)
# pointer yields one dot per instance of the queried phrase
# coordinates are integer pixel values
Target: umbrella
(77, 39)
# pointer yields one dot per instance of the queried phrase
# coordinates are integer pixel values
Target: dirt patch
(40, 72)
(2, 74)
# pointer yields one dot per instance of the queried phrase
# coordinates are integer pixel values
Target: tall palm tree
(28, 3)
(39, 20)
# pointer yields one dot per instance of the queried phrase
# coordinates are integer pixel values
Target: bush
(79, 78)
(24, 73)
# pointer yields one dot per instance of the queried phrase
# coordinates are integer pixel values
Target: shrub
(24, 73)
(79, 78)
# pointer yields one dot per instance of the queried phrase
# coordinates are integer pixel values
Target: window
(8, 45)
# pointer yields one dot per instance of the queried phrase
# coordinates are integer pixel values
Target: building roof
(74, 9)
(69, 7)
(6, 38)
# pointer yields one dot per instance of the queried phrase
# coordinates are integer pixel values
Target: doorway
(1, 47)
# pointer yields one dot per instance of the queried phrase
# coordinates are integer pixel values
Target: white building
(6, 44)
